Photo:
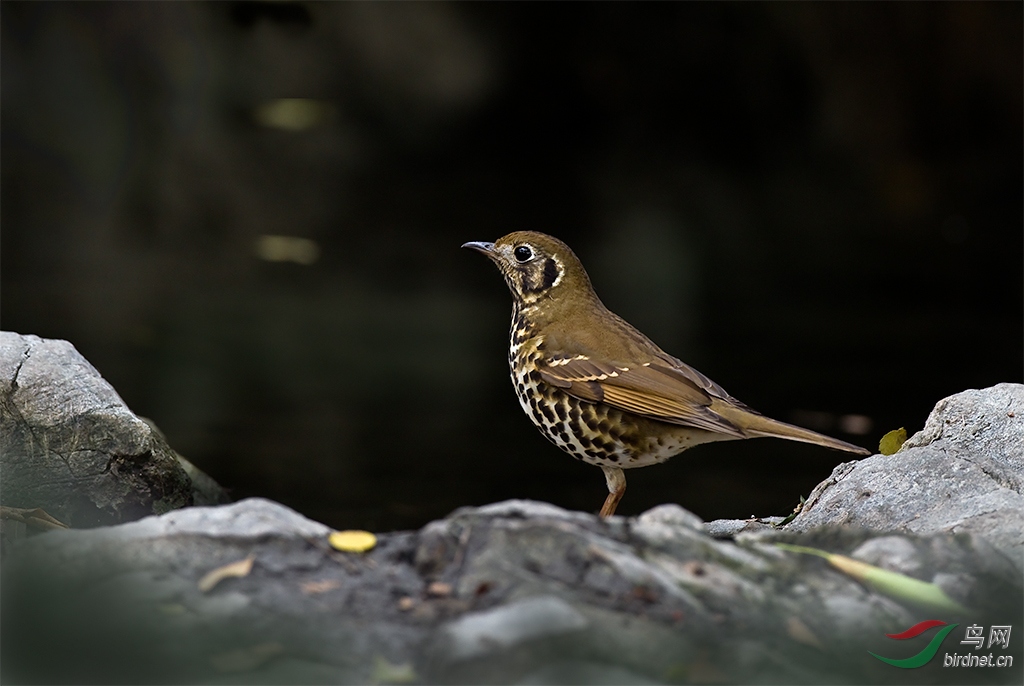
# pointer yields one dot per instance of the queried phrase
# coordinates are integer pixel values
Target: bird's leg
(616, 487)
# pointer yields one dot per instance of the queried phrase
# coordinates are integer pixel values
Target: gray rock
(964, 472)
(69, 444)
(252, 518)
(513, 592)
(670, 514)
(730, 528)
(486, 595)
(479, 634)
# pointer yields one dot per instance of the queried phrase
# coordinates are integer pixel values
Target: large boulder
(70, 446)
(963, 472)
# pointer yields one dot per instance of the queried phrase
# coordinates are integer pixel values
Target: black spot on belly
(560, 411)
(548, 412)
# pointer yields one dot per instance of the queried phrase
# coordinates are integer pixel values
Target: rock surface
(513, 592)
(964, 472)
(70, 445)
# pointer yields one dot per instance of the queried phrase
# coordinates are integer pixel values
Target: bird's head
(537, 266)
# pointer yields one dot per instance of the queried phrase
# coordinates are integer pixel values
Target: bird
(597, 387)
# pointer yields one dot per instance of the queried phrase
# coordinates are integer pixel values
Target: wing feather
(672, 393)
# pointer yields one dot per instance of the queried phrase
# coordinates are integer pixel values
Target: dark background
(819, 205)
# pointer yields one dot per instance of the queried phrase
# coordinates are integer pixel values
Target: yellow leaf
(352, 541)
(240, 568)
(892, 441)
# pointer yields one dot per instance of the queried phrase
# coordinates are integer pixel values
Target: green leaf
(892, 441)
(899, 587)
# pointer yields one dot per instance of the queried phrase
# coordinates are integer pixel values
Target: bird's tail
(755, 425)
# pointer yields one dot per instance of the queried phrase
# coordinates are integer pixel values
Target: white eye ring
(523, 253)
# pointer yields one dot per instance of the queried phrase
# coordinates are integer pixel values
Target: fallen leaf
(352, 541)
(439, 589)
(386, 673)
(35, 517)
(892, 441)
(406, 603)
(799, 632)
(240, 568)
(245, 659)
(314, 587)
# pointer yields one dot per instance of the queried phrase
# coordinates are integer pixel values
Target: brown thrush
(598, 388)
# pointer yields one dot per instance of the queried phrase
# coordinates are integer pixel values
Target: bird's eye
(523, 253)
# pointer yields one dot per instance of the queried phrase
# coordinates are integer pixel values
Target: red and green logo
(923, 657)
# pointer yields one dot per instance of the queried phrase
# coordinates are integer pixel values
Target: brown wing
(662, 389)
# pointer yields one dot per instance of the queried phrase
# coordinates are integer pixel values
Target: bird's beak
(481, 246)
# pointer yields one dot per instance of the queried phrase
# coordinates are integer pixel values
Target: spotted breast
(593, 432)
